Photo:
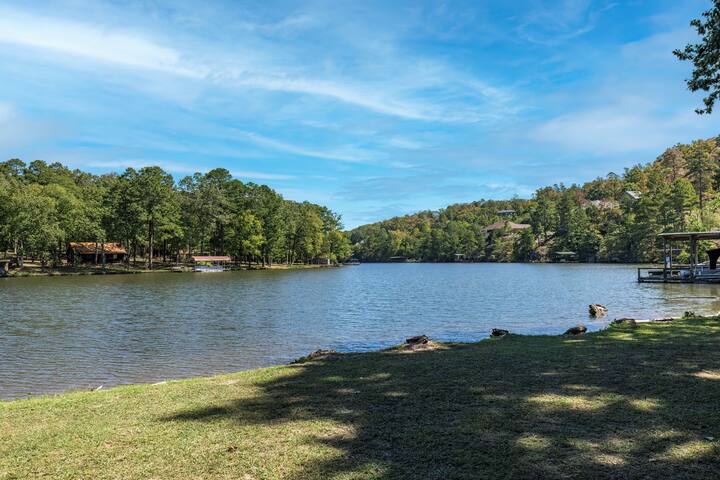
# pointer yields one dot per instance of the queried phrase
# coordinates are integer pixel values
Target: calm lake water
(81, 332)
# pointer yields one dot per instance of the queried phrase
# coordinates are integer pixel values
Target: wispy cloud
(106, 44)
(557, 22)
(78, 39)
(348, 153)
(373, 108)
(174, 167)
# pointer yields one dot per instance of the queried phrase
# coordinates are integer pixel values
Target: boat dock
(693, 272)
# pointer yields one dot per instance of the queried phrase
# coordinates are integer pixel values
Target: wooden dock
(694, 272)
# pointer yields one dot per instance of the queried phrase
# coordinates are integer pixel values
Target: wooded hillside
(614, 218)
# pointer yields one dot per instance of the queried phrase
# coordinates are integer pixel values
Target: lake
(61, 333)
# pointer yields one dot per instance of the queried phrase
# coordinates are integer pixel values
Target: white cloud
(354, 96)
(393, 87)
(558, 22)
(617, 129)
(92, 42)
(346, 153)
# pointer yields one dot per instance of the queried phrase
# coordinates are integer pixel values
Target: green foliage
(597, 221)
(704, 55)
(44, 207)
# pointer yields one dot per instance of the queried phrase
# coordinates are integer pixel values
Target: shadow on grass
(625, 403)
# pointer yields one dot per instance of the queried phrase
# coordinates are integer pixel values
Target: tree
(33, 221)
(124, 210)
(245, 236)
(337, 245)
(267, 206)
(681, 200)
(702, 166)
(705, 55)
(524, 248)
(158, 205)
(543, 216)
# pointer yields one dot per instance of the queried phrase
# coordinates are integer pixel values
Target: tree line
(615, 218)
(45, 206)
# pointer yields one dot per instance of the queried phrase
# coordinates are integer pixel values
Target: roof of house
(88, 248)
(211, 258)
(601, 204)
(506, 223)
(633, 194)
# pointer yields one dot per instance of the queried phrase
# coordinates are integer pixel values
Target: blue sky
(372, 108)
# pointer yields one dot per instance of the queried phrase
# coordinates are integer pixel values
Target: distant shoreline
(36, 271)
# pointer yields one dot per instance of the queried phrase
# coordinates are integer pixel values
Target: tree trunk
(103, 254)
(19, 254)
(150, 244)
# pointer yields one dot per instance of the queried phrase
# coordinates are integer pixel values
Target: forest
(45, 206)
(615, 218)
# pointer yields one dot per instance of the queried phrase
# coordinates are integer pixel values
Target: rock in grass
(417, 340)
(498, 332)
(317, 354)
(625, 321)
(597, 310)
(578, 330)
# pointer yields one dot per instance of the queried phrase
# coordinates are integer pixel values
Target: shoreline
(87, 271)
(36, 271)
(399, 348)
(629, 401)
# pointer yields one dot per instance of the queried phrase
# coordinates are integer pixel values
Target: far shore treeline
(45, 206)
(616, 218)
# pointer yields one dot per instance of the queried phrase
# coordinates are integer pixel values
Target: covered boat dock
(694, 272)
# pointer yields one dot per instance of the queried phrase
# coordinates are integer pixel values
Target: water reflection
(81, 332)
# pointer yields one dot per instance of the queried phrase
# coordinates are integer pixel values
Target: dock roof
(211, 258)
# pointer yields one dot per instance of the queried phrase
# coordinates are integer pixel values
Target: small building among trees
(92, 252)
(506, 225)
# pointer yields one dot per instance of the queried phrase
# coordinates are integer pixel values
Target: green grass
(628, 402)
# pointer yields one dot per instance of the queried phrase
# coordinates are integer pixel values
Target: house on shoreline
(92, 252)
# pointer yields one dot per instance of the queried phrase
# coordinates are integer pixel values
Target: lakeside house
(506, 213)
(631, 196)
(92, 252)
(505, 225)
(601, 204)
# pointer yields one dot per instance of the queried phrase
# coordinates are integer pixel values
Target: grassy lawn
(628, 402)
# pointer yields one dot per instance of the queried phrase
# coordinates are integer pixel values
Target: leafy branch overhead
(705, 57)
